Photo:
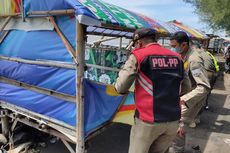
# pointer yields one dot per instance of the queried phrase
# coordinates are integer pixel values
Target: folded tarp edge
(30, 24)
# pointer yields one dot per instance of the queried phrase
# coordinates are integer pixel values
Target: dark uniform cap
(143, 32)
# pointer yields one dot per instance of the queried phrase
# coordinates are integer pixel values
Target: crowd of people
(171, 90)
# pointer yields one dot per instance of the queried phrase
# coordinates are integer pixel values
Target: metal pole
(80, 53)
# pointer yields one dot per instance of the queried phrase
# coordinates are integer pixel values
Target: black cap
(144, 32)
(180, 37)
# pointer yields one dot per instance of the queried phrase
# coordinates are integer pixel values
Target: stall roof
(96, 13)
(90, 12)
(193, 33)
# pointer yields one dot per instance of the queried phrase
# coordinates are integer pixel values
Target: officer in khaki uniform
(157, 73)
(195, 86)
(212, 68)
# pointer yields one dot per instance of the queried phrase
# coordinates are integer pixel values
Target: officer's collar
(185, 55)
(154, 43)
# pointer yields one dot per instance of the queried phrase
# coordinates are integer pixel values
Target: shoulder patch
(196, 72)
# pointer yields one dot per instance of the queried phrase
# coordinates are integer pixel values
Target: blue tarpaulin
(40, 45)
(99, 107)
(57, 79)
(46, 45)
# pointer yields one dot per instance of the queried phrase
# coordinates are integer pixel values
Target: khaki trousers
(152, 138)
(187, 115)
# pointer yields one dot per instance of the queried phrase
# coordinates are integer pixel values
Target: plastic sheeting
(95, 12)
(30, 24)
(36, 45)
(191, 32)
(125, 113)
(48, 5)
(57, 79)
(99, 106)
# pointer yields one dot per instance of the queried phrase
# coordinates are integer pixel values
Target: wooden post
(4, 122)
(163, 42)
(80, 53)
(5, 23)
(120, 45)
(23, 11)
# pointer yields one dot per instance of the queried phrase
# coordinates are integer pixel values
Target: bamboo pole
(120, 45)
(97, 43)
(23, 10)
(56, 64)
(64, 40)
(43, 62)
(41, 90)
(4, 122)
(5, 23)
(52, 13)
(103, 67)
(3, 36)
(9, 15)
(80, 38)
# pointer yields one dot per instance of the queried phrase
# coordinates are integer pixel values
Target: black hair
(180, 37)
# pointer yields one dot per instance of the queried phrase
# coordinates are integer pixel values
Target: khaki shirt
(127, 75)
(207, 59)
(196, 82)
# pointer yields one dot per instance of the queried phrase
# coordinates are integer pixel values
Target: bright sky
(165, 10)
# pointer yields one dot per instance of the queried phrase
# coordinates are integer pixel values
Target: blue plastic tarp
(53, 78)
(99, 106)
(48, 5)
(37, 45)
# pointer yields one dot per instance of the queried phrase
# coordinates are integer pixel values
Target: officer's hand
(180, 131)
(182, 102)
(110, 90)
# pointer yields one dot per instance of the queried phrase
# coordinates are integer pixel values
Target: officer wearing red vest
(157, 73)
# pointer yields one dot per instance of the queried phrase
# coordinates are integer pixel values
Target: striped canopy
(100, 14)
(193, 33)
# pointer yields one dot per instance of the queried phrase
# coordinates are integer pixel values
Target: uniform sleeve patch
(196, 72)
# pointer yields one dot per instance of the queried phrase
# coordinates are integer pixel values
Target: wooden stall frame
(79, 65)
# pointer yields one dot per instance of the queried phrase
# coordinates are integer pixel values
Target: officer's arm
(202, 84)
(127, 75)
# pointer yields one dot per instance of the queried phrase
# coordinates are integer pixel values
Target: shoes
(206, 107)
(194, 123)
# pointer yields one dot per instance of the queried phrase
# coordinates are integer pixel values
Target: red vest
(157, 86)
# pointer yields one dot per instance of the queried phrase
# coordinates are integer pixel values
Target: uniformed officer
(195, 86)
(157, 73)
(212, 67)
